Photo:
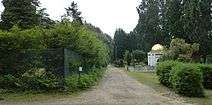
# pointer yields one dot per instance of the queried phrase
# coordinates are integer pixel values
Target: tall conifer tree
(21, 12)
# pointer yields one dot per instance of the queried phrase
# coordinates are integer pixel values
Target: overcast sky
(106, 14)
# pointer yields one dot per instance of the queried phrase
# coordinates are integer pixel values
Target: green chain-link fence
(61, 62)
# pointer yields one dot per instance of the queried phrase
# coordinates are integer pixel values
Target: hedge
(163, 71)
(207, 75)
(186, 80)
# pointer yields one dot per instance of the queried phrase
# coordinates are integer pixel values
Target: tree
(180, 50)
(105, 38)
(196, 20)
(21, 12)
(43, 18)
(74, 12)
(127, 58)
(173, 15)
(132, 42)
(120, 44)
(149, 27)
(162, 20)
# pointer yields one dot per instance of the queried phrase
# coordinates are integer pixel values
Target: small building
(155, 54)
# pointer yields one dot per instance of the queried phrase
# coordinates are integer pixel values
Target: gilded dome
(157, 47)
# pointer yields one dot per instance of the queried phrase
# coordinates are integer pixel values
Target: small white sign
(80, 68)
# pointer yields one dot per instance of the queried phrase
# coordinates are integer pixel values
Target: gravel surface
(117, 88)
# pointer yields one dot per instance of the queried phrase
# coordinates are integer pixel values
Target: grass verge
(35, 96)
(151, 80)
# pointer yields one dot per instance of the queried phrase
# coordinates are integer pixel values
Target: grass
(34, 96)
(151, 80)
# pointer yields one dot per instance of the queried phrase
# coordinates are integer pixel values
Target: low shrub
(207, 75)
(30, 81)
(8, 82)
(46, 81)
(85, 81)
(163, 71)
(71, 83)
(186, 80)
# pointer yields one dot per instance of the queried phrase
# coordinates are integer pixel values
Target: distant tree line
(162, 20)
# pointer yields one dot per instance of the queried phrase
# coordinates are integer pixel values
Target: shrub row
(185, 78)
(207, 75)
(47, 81)
(163, 72)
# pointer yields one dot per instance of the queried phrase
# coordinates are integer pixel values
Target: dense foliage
(68, 35)
(75, 82)
(35, 51)
(139, 56)
(181, 51)
(185, 78)
(24, 13)
(161, 20)
(74, 13)
(105, 38)
(207, 75)
(120, 44)
(163, 72)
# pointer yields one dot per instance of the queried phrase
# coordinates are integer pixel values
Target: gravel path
(117, 88)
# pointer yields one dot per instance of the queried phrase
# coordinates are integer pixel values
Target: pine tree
(74, 12)
(173, 15)
(20, 12)
(43, 18)
(120, 44)
(206, 28)
(148, 28)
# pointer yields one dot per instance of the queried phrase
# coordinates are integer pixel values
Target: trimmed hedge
(207, 75)
(186, 80)
(163, 72)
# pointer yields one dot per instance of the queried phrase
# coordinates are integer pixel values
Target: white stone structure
(155, 54)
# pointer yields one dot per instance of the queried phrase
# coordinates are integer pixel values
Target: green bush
(187, 80)
(33, 81)
(163, 70)
(45, 81)
(9, 82)
(85, 81)
(207, 75)
(71, 83)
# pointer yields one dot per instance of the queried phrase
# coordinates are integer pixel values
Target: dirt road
(117, 88)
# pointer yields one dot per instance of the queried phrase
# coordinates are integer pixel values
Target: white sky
(106, 14)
